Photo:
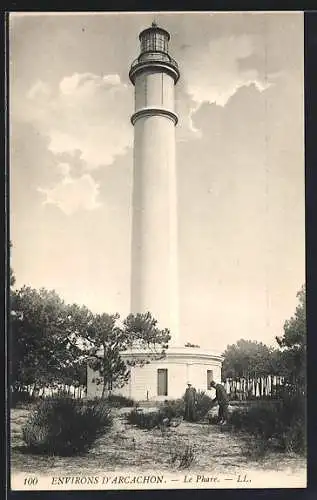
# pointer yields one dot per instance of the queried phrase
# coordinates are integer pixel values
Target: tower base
(167, 378)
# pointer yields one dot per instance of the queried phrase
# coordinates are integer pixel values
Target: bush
(261, 419)
(145, 420)
(182, 455)
(169, 410)
(20, 398)
(172, 408)
(120, 401)
(64, 426)
(280, 424)
(203, 404)
(163, 416)
(294, 420)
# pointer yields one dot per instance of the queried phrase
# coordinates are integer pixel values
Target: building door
(210, 377)
(162, 382)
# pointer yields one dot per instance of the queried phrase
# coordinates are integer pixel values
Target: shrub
(213, 419)
(294, 439)
(165, 413)
(176, 408)
(203, 405)
(120, 401)
(64, 426)
(145, 420)
(172, 408)
(261, 419)
(280, 424)
(293, 416)
(20, 398)
(182, 455)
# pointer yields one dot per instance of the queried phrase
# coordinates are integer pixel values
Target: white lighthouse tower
(154, 273)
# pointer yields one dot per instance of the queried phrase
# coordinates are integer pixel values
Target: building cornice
(169, 67)
(187, 355)
(154, 111)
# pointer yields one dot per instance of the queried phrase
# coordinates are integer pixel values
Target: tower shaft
(154, 272)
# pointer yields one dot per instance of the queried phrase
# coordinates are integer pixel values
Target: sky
(240, 164)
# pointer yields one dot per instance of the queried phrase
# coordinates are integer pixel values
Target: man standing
(190, 402)
(223, 401)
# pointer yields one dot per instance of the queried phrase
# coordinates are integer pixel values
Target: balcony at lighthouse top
(154, 53)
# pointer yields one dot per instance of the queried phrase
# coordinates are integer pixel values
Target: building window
(152, 42)
(162, 382)
(148, 43)
(161, 43)
(210, 377)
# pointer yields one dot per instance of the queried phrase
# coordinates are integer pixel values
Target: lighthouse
(154, 271)
(154, 253)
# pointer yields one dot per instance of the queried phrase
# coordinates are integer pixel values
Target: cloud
(64, 169)
(84, 112)
(85, 82)
(39, 90)
(191, 125)
(72, 194)
(215, 74)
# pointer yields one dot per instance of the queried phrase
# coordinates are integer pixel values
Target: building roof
(154, 28)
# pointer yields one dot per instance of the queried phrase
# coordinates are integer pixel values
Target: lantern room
(154, 39)
(154, 54)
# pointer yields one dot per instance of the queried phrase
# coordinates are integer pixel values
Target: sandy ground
(127, 448)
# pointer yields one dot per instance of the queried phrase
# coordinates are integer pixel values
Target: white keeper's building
(167, 378)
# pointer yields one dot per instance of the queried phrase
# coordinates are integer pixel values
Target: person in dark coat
(223, 401)
(190, 403)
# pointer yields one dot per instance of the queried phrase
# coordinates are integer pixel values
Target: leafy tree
(143, 332)
(41, 351)
(106, 340)
(293, 344)
(75, 374)
(248, 359)
(52, 342)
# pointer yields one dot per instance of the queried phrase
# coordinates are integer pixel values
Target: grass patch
(182, 455)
